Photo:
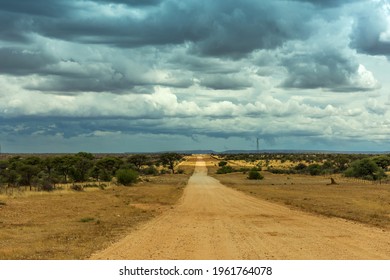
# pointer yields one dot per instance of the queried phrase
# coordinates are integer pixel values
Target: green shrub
(86, 220)
(222, 163)
(126, 177)
(225, 169)
(255, 175)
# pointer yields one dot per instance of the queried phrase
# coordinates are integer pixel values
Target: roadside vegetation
(69, 206)
(362, 166)
(50, 173)
(350, 186)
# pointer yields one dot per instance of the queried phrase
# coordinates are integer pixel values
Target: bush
(225, 169)
(126, 177)
(222, 163)
(151, 170)
(255, 175)
(314, 169)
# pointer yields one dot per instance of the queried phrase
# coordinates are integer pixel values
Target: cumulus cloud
(302, 72)
(372, 28)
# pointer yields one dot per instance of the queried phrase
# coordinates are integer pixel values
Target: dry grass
(357, 201)
(73, 225)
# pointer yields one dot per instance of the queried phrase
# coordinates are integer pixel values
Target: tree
(63, 165)
(383, 161)
(366, 169)
(107, 167)
(138, 161)
(170, 160)
(80, 168)
(27, 173)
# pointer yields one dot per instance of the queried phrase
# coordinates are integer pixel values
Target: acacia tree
(170, 159)
(138, 161)
(27, 173)
(63, 165)
(80, 168)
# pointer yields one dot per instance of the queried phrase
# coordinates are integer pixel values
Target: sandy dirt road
(215, 222)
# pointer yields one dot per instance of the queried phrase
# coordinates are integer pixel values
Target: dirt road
(215, 222)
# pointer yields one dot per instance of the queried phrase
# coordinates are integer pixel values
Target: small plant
(222, 163)
(86, 220)
(77, 188)
(254, 175)
(180, 171)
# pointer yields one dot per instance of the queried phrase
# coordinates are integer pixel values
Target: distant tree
(27, 173)
(48, 166)
(138, 161)
(222, 163)
(314, 169)
(365, 168)
(383, 161)
(300, 167)
(11, 177)
(63, 165)
(80, 168)
(341, 162)
(170, 159)
(107, 167)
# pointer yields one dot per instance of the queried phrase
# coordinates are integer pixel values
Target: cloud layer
(208, 73)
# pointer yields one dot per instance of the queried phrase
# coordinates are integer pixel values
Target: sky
(161, 75)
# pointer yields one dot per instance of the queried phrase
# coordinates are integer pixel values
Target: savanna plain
(202, 207)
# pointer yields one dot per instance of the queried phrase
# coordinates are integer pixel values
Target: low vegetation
(47, 172)
(65, 224)
(353, 187)
(368, 167)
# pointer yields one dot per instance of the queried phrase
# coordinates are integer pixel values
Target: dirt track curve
(215, 222)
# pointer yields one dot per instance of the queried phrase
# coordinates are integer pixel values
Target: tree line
(45, 172)
(368, 167)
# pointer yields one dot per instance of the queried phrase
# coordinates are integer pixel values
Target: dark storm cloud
(23, 62)
(329, 3)
(12, 29)
(132, 2)
(50, 8)
(217, 28)
(325, 69)
(366, 36)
